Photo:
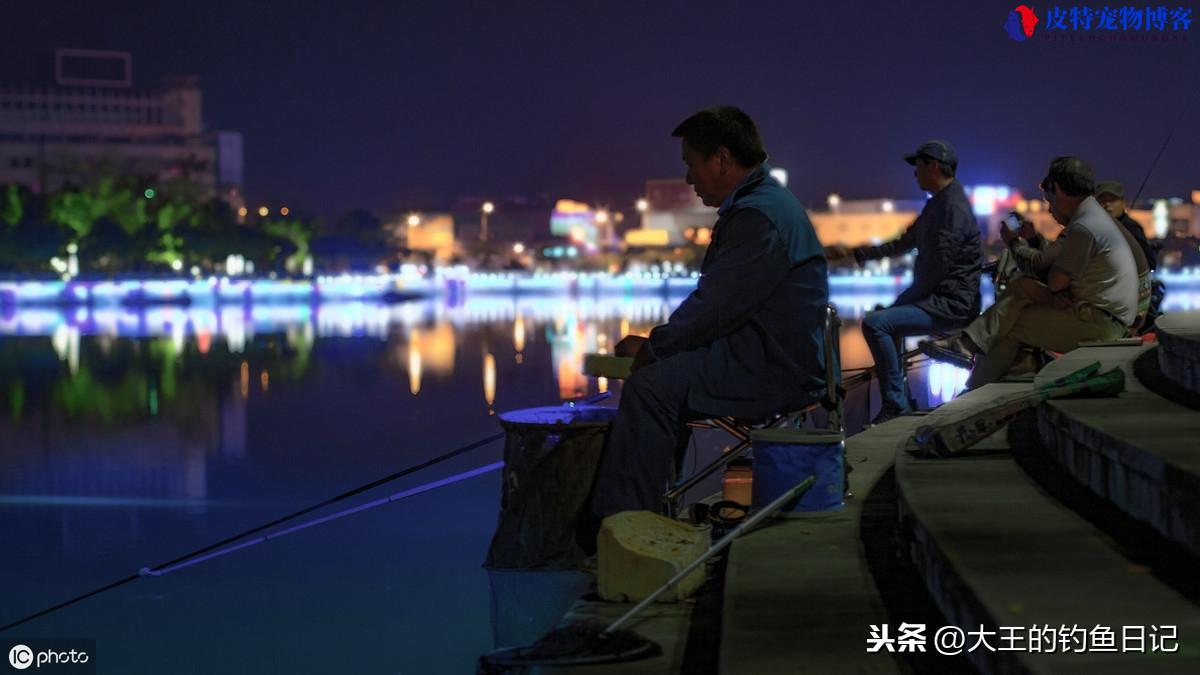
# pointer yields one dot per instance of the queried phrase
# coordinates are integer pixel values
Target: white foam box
(638, 551)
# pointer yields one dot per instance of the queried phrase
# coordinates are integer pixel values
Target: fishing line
(1166, 142)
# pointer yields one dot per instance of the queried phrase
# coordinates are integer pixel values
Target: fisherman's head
(1068, 182)
(935, 163)
(1111, 196)
(720, 145)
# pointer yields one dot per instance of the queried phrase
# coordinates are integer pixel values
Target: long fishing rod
(215, 550)
(1166, 142)
(179, 562)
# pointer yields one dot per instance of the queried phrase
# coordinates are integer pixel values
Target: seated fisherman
(746, 343)
(1091, 289)
(1111, 196)
(1033, 257)
(945, 289)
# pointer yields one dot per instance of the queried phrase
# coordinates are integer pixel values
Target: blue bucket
(784, 457)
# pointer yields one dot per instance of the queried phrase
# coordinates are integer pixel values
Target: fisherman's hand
(643, 358)
(1028, 231)
(629, 345)
(1006, 233)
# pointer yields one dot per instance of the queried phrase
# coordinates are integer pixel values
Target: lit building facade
(91, 116)
(863, 222)
(673, 210)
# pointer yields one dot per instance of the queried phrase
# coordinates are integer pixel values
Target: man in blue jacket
(945, 290)
(747, 342)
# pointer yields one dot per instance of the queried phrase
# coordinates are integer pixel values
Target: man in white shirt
(1092, 283)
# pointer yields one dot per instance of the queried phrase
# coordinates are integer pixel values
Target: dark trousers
(881, 328)
(649, 437)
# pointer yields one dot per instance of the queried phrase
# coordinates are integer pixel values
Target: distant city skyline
(398, 107)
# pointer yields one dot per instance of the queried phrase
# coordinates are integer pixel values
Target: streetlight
(834, 202)
(263, 211)
(284, 211)
(488, 207)
(414, 220)
(605, 225)
(643, 205)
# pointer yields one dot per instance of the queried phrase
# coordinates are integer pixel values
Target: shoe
(953, 350)
(886, 415)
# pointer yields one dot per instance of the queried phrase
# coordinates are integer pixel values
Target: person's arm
(1033, 261)
(898, 246)
(1072, 258)
(937, 263)
(751, 261)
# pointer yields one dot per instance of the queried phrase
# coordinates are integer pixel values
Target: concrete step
(1179, 348)
(995, 551)
(799, 596)
(1139, 451)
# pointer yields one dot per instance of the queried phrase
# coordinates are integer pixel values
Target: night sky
(412, 104)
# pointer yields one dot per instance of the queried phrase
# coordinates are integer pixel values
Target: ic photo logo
(20, 657)
(23, 657)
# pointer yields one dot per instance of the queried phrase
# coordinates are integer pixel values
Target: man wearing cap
(945, 290)
(1111, 196)
(1151, 291)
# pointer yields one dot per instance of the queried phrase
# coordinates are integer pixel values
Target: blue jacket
(756, 313)
(949, 258)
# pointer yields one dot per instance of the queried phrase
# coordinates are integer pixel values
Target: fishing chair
(831, 400)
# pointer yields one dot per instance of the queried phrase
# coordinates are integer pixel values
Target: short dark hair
(1072, 175)
(945, 169)
(723, 126)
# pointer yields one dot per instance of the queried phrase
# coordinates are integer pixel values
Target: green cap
(1111, 187)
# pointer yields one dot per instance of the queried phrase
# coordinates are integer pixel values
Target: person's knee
(654, 382)
(637, 385)
(1026, 288)
(874, 323)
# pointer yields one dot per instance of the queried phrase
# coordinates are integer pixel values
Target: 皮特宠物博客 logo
(1021, 22)
(1080, 23)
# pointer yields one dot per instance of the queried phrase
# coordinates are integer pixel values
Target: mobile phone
(1012, 222)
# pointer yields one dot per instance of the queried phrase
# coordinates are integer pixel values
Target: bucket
(784, 457)
(551, 456)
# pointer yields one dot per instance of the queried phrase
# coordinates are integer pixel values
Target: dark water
(130, 438)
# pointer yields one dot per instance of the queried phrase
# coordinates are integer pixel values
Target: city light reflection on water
(424, 336)
(130, 436)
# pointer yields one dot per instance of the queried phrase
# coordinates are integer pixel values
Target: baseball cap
(941, 151)
(1112, 187)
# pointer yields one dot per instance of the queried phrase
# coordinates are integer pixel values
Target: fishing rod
(1166, 142)
(183, 560)
(226, 545)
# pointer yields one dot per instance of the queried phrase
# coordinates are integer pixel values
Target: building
(863, 221)
(673, 216)
(512, 219)
(90, 115)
